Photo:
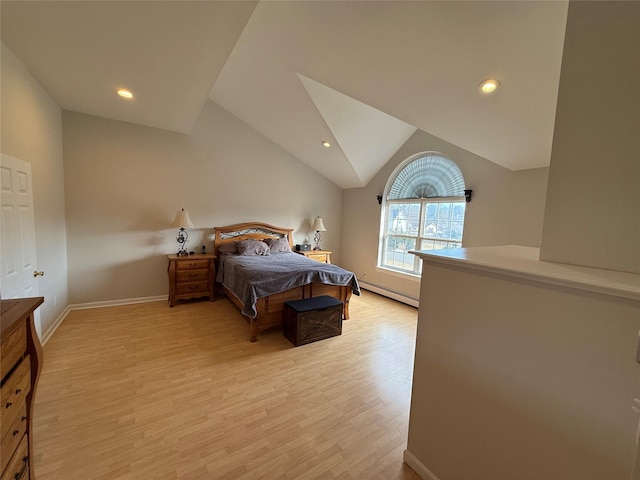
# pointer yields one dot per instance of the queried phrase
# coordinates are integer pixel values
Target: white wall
(32, 131)
(506, 208)
(124, 184)
(520, 379)
(592, 216)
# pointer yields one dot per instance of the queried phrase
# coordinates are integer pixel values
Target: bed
(259, 285)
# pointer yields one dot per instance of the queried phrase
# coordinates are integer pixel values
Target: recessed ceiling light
(489, 86)
(124, 93)
(326, 144)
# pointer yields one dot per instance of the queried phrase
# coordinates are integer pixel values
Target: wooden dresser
(20, 365)
(191, 276)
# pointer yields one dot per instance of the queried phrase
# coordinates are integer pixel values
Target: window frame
(419, 237)
(384, 234)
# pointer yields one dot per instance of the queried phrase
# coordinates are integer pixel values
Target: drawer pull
(8, 405)
(15, 432)
(20, 474)
(24, 417)
(191, 275)
(18, 391)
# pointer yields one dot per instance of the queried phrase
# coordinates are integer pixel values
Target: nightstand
(320, 255)
(191, 276)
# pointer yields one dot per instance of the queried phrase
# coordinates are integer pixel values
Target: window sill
(407, 276)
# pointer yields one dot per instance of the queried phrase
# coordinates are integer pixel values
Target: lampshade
(182, 220)
(318, 225)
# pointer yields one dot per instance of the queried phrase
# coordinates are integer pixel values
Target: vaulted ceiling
(363, 75)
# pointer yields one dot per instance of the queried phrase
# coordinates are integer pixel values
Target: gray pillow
(278, 245)
(252, 247)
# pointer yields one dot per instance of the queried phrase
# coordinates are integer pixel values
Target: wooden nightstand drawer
(192, 263)
(196, 287)
(323, 256)
(192, 275)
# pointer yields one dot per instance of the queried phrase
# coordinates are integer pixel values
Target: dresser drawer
(192, 264)
(11, 438)
(12, 349)
(18, 466)
(192, 275)
(320, 257)
(323, 256)
(196, 287)
(13, 395)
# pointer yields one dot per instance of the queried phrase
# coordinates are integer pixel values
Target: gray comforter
(251, 277)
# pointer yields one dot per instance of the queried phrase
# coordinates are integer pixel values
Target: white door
(17, 232)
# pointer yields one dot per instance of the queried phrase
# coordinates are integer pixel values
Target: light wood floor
(148, 392)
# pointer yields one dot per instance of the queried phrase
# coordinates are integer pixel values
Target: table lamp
(182, 221)
(318, 226)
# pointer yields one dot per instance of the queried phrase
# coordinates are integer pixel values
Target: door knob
(38, 274)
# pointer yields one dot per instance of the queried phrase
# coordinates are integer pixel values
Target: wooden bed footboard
(270, 309)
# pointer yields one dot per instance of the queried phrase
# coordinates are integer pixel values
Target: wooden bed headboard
(254, 230)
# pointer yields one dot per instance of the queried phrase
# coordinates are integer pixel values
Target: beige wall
(507, 208)
(518, 379)
(124, 184)
(32, 131)
(592, 216)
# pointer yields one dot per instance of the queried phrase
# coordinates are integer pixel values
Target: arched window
(423, 209)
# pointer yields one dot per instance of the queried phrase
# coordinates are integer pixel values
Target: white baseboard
(51, 330)
(389, 293)
(82, 306)
(113, 303)
(418, 467)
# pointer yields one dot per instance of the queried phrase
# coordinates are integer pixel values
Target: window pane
(404, 218)
(458, 211)
(443, 230)
(413, 219)
(395, 253)
(426, 245)
(432, 212)
(444, 220)
(441, 245)
(430, 229)
(456, 231)
(444, 211)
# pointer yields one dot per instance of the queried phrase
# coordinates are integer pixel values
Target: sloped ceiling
(362, 75)
(168, 53)
(368, 137)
